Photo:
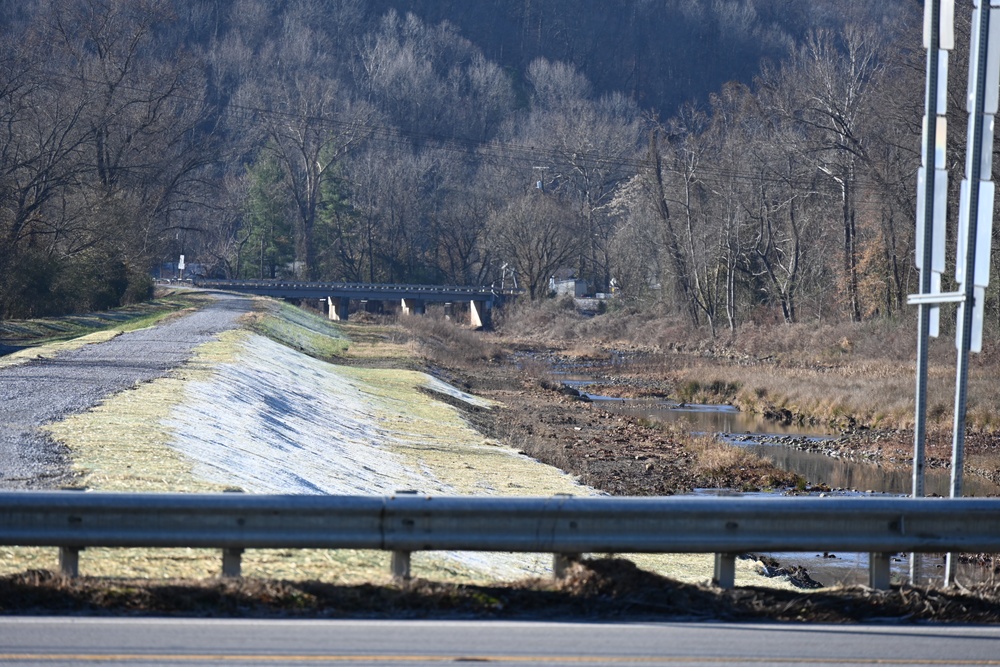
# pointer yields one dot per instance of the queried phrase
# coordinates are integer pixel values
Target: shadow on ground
(606, 589)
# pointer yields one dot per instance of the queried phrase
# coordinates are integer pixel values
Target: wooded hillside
(732, 161)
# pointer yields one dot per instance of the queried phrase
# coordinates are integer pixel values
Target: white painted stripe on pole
(946, 30)
(978, 16)
(934, 324)
(986, 154)
(940, 142)
(993, 63)
(970, 92)
(938, 223)
(963, 224)
(978, 312)
(946, 25)
(928, 8)
(939, 232)
(959, 325)
(984, 232)
(942, 88)
(921, 215)
(970, 128)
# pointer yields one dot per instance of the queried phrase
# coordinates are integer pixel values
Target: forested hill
(662, 53)
(435, 141)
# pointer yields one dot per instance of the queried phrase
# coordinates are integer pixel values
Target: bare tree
(311, 122)
(532, 234)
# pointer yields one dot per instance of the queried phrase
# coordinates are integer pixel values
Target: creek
(799, 449)
(793, 447)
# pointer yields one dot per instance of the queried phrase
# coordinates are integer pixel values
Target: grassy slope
(125, 444)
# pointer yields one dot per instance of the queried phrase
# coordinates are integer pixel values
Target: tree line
(352, 141)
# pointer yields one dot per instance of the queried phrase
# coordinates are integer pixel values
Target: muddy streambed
(797, 448)
(800, 449)
(781, 444)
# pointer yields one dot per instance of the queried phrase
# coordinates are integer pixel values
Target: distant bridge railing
(362, 291)
(565, 526)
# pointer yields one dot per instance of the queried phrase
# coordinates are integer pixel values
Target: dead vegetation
(593, 590)
(844, 375)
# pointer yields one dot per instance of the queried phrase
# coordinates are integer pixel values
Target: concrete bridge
(335, 298)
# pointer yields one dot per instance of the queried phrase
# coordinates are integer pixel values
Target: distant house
(565, 282)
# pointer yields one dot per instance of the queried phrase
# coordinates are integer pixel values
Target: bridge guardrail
(562, 525)
(360, 287)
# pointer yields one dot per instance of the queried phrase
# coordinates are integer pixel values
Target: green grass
(298, 329)
(43, 331)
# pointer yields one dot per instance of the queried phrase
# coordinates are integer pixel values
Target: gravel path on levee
(47, 390)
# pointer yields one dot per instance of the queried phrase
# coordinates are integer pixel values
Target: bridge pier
(480, 314)
(414, 306)
(338, 308)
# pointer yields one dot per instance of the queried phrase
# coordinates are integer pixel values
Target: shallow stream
(782, 445)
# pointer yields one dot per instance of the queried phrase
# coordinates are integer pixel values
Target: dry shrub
(583, 351)
(446, 343)
(721, 465)
(547, 319)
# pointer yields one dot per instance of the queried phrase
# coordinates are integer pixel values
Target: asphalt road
(78, 640)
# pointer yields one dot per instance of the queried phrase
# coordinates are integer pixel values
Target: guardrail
(375, 289)
(565, 526)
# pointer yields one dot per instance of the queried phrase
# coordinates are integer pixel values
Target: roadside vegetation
(47, 330)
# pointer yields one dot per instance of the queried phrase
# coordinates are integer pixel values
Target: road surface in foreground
(157, 641)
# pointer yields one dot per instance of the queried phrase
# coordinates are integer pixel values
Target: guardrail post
(725, 571)
(561, 564)
(231, 565)
(69, 561)
(879, 570)
(400, 565)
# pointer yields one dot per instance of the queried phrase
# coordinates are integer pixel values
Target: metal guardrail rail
(565, 526)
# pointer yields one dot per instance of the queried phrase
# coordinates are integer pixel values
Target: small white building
(568, 285)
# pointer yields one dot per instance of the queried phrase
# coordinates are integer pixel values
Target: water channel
(845, 477)
(758, 435)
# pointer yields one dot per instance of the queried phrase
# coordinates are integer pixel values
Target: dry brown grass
(721, 465)
(843, 374)
(448, 344)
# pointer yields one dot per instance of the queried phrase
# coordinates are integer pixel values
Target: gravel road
(47, 390)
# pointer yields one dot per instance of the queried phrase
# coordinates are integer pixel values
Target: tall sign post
(975, 219)
(972, 266)
(932, 198)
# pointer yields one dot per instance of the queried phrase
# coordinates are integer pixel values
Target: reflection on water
(850, 569)
(818, 468)
(814, 467)
(710, 418)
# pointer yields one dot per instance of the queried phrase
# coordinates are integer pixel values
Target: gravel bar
(44, 391)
